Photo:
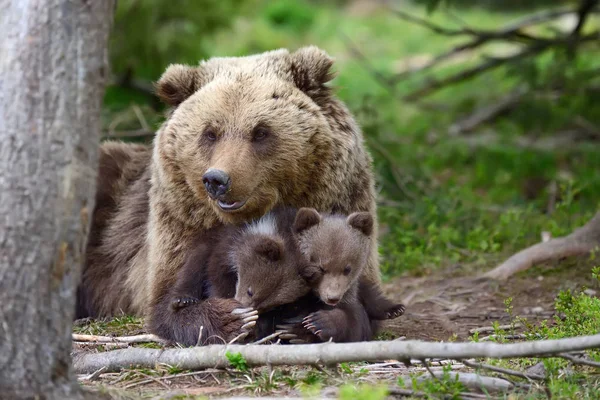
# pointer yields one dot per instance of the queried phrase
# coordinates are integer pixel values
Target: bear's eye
(321, 269)
(260, 133)
(347, 270)
(250, 292)
(210, 134)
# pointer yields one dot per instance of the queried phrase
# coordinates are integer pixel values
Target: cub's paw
(322, 324)
(396, 311)
(231, 322)
(294, 332)
(182, 302)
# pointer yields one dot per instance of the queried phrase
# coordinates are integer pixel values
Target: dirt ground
(451, 302)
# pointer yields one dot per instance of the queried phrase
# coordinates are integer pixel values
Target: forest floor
(443, 306)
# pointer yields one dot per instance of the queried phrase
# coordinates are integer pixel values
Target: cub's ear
(311, 69)
(269, 248)
(363, 221)
(311, 273)
(178, 83)
(306, 219)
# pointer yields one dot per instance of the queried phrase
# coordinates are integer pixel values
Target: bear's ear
(306, 218)
(311, 273)
(363, 221)
(269, 248)
(311, 68)
(178, 83)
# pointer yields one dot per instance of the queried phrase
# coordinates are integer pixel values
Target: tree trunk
(52, 71)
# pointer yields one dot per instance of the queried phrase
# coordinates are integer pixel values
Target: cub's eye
(250, 292)
(260, 133)
(210, 134)
(347, 270)
(321, 269)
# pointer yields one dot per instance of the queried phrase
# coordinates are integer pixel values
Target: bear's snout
(216, 182)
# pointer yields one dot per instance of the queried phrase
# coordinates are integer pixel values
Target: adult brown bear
(244, 134)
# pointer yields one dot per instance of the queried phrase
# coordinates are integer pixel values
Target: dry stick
(267, 338)
(488, 113)
(117, 339)
(504, 371)
(214, 356)
(580, 361)
(581, 241)
(163, 378)
(507, 337)
(486, 329)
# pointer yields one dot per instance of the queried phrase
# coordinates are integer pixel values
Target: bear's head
(270, 270)
(338, 246)
(246, 132)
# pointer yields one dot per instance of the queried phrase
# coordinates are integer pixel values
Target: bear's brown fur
(271, 124)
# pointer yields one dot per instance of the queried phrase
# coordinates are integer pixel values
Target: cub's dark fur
(263, 262)
(205, 289)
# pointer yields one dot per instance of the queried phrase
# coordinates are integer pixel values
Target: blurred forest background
(483, 117)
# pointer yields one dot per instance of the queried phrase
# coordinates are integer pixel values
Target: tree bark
(52, 71)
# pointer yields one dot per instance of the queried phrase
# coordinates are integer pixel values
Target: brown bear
(245, 134)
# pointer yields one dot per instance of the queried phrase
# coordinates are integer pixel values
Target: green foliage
(363, 392)
(237, 361)
(294, 15)
(149, 35)
(445, 386)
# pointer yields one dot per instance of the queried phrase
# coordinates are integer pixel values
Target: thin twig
(580, 361)
(171, 377)
(117, 339)
(267, 338)
(486, 329)
(505, 371)
(507, 337)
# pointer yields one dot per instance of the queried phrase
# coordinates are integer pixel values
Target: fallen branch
(581, 241)
(487, 329)
(324, 353)
(580, 361)
(474, 381)
(487, 113)
(505, 337)
(117, 339)
(504, 371)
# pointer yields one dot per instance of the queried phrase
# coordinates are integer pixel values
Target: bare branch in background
(581, 241)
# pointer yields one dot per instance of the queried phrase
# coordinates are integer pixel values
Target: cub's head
(246, 132)
(271, 272)
(338, 246)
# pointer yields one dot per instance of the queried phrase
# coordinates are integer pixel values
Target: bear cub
(208, 290)
(338, 247)
(264, 266)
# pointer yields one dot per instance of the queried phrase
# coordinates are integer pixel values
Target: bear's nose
(216, 182)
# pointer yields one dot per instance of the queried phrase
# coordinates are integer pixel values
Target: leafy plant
(237, 361)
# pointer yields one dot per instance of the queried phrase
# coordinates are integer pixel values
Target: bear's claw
(182, 302)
